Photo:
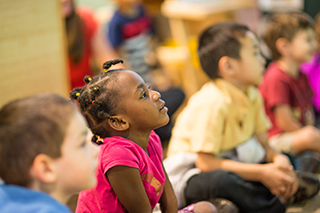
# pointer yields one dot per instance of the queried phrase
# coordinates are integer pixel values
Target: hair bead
(77, 94)
(87, 79)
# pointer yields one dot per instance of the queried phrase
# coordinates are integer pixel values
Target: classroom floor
(312, 206)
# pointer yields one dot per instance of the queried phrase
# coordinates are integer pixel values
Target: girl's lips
(163, 109)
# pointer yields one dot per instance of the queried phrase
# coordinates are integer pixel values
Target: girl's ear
(118, 124)
(43, 169)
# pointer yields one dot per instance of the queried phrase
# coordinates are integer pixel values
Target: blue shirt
(19, 199)
(133, 35)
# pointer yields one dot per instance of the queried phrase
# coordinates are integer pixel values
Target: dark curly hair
(98, 98)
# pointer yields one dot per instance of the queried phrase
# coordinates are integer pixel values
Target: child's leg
(305, 139)
(200, 207)
(246, 195)
(205, 207)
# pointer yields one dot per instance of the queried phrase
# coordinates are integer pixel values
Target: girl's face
(77, 165)
(142, 107)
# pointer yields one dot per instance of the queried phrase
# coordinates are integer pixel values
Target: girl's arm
(168, 201)
(126, 183)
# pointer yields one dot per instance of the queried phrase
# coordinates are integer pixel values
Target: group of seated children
(219, 149)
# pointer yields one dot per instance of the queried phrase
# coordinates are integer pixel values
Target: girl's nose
(156, 95)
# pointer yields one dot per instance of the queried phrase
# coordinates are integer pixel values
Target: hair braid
(106, 65)
(98, 98)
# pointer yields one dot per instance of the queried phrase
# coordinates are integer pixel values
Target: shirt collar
(234, 95)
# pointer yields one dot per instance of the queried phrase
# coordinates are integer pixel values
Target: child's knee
(312, 133)
(204, 207)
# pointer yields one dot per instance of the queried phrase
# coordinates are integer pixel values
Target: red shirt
(81, 69)
(279, 88)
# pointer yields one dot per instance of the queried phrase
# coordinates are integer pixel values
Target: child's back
(19, 199)
(44, 154)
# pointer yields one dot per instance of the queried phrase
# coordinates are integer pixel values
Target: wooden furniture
(32, 50)
(187, 20)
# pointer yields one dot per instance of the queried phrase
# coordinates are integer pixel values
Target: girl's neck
(141, 139)
(289, 66)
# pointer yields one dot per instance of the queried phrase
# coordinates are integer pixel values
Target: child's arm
(310, 118)
(168, 201)
(281, 161)
(126, 183)
(285, 119)
(269, 174)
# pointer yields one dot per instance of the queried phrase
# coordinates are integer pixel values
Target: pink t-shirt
(119, 151)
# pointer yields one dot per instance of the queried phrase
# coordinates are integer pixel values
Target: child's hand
(282, 161)
(291, 188)
(279, 181)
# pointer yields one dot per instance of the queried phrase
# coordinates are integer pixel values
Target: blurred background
(35, 55)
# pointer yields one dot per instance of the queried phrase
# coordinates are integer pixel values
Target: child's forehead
(250, 40)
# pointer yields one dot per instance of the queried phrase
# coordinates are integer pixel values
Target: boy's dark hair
(284, 25)
(98, 98)
(220, 40)
(28, 127)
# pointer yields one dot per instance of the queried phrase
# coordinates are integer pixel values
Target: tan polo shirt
(217, 118)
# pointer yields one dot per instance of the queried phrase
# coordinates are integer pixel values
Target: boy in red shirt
(285, 90)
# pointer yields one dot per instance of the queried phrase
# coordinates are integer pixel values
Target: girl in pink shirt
(122, 112)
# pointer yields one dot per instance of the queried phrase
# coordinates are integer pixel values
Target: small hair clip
(105, 70)
(92, 102)
(96, 88)
(77, 94)
(89, 79)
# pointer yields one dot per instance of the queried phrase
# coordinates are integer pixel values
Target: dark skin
(131, 123)
(126, 183)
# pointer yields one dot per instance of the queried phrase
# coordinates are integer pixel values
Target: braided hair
(98, 99)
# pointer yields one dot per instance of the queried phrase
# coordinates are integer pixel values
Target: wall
(32, 50)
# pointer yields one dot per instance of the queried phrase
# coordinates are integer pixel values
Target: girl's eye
(144, 95)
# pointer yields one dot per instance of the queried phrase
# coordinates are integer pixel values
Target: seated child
(286, 91)
(131, 34)
(225, 127)
(122, 113)
(45, 156)
(312, 70)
